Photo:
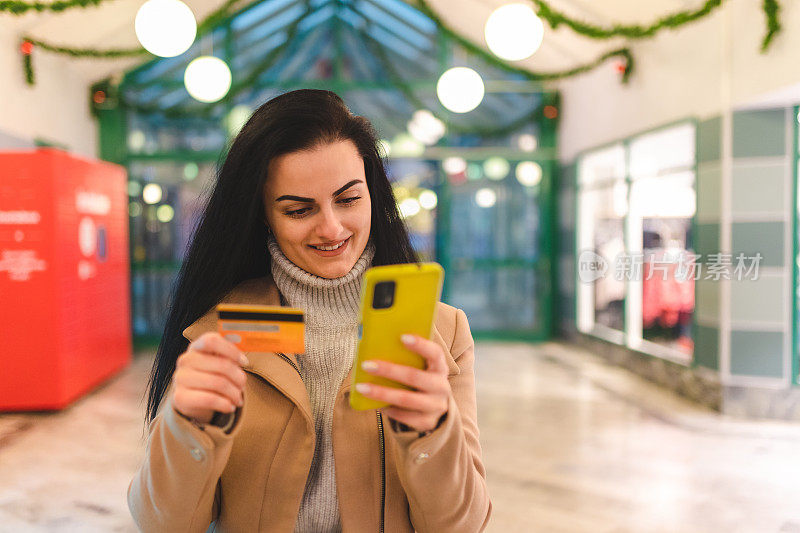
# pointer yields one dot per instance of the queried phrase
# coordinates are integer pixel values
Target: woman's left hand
(423, 407)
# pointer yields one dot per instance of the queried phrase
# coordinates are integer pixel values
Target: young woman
(301, 208)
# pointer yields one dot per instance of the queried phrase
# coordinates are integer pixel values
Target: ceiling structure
(382, 56)
(110, 25)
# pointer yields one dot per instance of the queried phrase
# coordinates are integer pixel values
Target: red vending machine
(64, 277)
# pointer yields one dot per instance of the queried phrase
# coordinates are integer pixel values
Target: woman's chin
(332, 271)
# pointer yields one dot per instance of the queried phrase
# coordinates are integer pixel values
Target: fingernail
(363, 388)
(241, 400)
(199, 344)
(369, 366)
(408, 339)
(243, 360)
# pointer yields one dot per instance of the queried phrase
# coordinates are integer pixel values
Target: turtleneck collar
(327, 302)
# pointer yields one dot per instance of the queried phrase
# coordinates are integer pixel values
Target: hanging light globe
(460, 89)
(134, 188)
(529, 173)
(404, 145)
(236, 118)
(496, 168)
(152, 193)
(474, 171)
(190, 171)
(409, 207)
(485, 197)
(454, 165)
(136, 140)
(527, 142)
(165, 213)
(165, 28)
(513, 32)
(207, 79)
(385, 147)
(425, 127)
(427, 199)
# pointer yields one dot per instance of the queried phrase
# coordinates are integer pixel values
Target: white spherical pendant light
(527, 142)
(207, 79)
(409, 207)
(485, 197)
(529, 173)
(404, 145)
(496, 168)
(236, 118)
(427, 199)
(513, 32)
(454, 165)
(460, 89)
(165, 28)
(152, 193)
(425, 127)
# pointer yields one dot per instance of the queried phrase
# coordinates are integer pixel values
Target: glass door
(497, 247)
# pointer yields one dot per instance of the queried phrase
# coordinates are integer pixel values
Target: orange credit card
(262, 328)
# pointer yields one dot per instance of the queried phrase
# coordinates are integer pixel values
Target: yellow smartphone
(395, 299)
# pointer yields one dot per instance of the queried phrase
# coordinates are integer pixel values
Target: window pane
(665, 206)
(496, 299)
(654, 153)
(601, 231)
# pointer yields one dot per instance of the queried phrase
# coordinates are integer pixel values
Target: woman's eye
(297, 212)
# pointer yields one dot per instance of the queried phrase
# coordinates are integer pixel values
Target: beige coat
(252, 479)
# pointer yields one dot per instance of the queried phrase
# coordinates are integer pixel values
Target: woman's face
(318, 198)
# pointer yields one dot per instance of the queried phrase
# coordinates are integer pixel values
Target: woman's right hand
(208, 377)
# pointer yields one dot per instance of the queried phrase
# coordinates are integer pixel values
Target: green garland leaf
(771, 10)
(15, 7)
(28, 67)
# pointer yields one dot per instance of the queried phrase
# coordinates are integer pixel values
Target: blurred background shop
(611, 188)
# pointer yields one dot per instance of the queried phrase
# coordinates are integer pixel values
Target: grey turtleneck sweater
(331, 333)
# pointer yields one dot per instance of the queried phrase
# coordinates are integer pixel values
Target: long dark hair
(230, 242)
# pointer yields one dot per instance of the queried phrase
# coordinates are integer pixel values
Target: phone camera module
(383, 296)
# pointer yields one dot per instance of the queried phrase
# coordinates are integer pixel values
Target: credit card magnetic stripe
(250, 315)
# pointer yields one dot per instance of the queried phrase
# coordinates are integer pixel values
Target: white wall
(56, 109)
(699, 71)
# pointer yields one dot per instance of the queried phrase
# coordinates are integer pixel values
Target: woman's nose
(330, 227)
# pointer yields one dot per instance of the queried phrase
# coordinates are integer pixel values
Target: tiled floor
(570, 445)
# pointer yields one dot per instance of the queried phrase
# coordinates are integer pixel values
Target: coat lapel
(267, 365)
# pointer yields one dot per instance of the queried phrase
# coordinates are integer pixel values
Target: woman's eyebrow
(337, 192)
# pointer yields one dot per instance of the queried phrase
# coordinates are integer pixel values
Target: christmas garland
(634, 31)
(553, 17)
(15, 7)
(205, 110)
(28, 43)
(396, 80)
(624, 53)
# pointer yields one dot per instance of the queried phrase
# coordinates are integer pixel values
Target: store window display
(636, 204)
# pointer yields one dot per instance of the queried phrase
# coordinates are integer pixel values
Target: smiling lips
(329, 248)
